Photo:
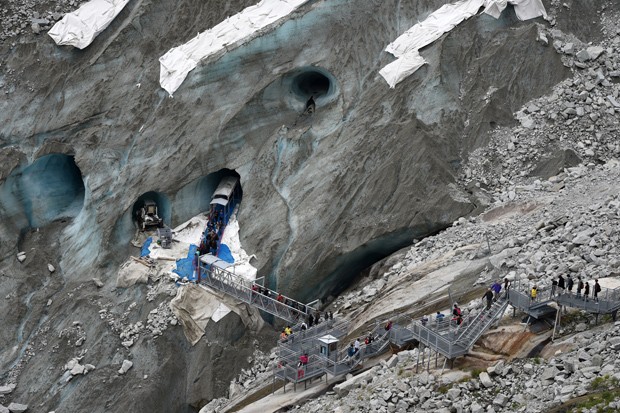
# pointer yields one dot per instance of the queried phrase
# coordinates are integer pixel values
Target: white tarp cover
(524, 9)
(406, 47)
(81, 27)
(232, 32)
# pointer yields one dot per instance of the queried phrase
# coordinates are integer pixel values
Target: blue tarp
(145, 247)
(224, 254)
(185, 266)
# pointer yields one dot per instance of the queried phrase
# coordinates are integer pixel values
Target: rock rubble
(553, 190)
(528, 385)
(23, 17)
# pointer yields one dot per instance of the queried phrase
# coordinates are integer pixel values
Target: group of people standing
(565, 286)
(312, 320)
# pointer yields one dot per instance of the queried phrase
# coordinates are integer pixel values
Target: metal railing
(449, 338)
(481, 321)
(295, 373)
(299, 336)
(241, 288)
(486, 319)
(432, 339)
(606, 301)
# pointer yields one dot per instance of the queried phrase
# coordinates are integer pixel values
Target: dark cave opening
(311, 84)
(164, 209)
(51, 188)
(312, 81)
(195, 197)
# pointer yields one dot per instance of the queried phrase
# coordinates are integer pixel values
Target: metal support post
(555, 324)
(417, 360)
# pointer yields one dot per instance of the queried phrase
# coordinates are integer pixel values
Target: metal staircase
(480, 322)
(451, 339)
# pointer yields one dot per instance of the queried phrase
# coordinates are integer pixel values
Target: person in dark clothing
(489, 297)
(569, 284)
(203, 248)
(506, 286)
(586, 290)
(554, 286)
(597, 289)
(212, 235)
(351, 353)
(579, 286)
(213, 247)
(310, 320)
(561, 284)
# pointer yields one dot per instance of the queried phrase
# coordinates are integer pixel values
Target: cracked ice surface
(232, 32)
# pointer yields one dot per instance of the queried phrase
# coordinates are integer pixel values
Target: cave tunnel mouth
(313, 81)
(164, 206)
(349, 267)
(195, 197)
(52, 188)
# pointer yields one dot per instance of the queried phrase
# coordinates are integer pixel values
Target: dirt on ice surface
(518, 119)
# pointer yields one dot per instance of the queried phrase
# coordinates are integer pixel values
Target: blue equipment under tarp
(224, 254)
(185, 266)
(145, 247)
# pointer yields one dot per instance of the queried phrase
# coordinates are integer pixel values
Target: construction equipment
(147, 216)
(165, 237)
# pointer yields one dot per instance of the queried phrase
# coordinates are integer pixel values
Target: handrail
(483, 326)
(608, 299)
(473, 322)
(301, 336)
(218, 278)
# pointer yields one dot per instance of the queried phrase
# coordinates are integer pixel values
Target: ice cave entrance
(146, 201)
(196, 196)
(51, 188)
(313, 81)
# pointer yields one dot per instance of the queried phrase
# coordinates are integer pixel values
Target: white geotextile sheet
(81, 27)
(524, 9)
(406, 47)
(179, 61)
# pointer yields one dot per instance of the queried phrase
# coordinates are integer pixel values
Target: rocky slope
(552, 185)
(374, 168)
